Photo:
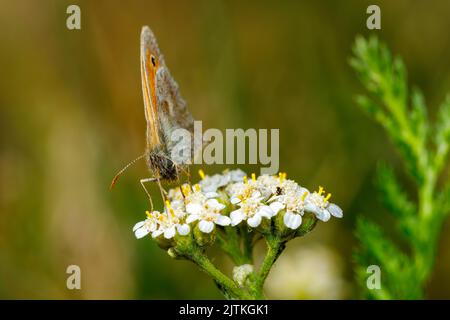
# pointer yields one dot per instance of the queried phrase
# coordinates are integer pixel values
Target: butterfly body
(163, 167)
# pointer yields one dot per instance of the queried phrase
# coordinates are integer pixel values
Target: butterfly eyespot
(153, 61)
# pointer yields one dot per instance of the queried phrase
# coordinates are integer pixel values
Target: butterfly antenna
(116, 177)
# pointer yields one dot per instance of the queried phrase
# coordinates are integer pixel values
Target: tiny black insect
(279, 191)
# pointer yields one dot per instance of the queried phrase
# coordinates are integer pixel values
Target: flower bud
(172, 252)
(309, 221)
(204, 239)
(241, 273)
(281, 229)
(164, 243)
(183, 246)
(265, 226)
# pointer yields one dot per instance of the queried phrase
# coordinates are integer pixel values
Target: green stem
(231, 249)
(426, 191)
(274, 248)
(228, 286)
(424, 251)
(247, 239)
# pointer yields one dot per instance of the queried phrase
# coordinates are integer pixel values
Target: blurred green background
(72, 115)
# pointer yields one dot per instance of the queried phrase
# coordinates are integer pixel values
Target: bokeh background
(71, 115)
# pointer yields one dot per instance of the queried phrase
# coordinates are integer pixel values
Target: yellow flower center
(282, 176)
(320, 191)
(304, 196)
(186, 189)
(169, 208)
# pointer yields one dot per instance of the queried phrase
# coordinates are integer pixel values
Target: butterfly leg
(142, 181)
(188, 172)
(163, 192)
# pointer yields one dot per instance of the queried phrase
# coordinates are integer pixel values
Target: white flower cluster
(231, 198)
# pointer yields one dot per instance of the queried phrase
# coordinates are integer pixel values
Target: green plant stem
(231, 249)
(230, 243)
(227, 286)
(247, 239)
(274, 248)
(426, 191)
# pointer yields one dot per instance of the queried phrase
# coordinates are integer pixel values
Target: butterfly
(165, 111)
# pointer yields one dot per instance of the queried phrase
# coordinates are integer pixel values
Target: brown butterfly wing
(149, 68)
(169, 110)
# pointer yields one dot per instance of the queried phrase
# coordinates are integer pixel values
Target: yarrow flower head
(213, 183)
(294, 205)
(208, 214)
(167, 224)
(234, 211)
(318, 204)
(252, 210)
(230, 198)
(244, 190)
(288, 196)
(149, 225)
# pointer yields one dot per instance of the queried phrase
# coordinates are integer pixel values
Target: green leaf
(444, 200)
(373, 110)
(397, 269)
(442, 135)
(394, 198)
(418, 116)
(396, 201)
(379, 247)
